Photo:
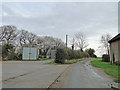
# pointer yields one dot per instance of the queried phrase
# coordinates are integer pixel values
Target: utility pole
(73, 43)
(72, 46)
(66, 40)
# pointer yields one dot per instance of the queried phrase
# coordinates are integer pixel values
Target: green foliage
(60, 56)
(8, 52)
(109, 69)
(105, 58)
(69, 54)
(75, 54)
(6, 49)
(52, 63)
(91, 52)
(12, 55)
(19, 56)
(42, 59)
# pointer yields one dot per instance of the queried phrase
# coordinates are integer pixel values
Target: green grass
(42, 59)
(109, 69)
(52, 63)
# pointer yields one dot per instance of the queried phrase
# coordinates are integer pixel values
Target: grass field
(109, 69)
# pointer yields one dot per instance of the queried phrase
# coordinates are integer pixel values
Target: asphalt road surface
(29, 74)
(83, 75)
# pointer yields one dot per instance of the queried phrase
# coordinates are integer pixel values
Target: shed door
(33, 55)
(25, 55)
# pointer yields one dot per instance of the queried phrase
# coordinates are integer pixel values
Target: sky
(60, 18)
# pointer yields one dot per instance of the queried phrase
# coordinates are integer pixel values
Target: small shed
(115, 50)
(53, 54)
(30, 53)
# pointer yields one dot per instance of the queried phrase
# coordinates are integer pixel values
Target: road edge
(56, 80)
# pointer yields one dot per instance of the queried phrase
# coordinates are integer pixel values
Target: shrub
(95, 56)
(69, 54)
(60, 56)
(19, 56)
(8, 51)
(105, 58)
(75, 54)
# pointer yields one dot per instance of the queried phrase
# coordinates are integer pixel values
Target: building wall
(119, 51)
(114, 52)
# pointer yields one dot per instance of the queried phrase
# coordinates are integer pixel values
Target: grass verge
(109, 69)
(42, 59)
(75, 60)
(71, 61)
(52, 63)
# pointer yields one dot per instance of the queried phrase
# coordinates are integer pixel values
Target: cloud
(61, 18)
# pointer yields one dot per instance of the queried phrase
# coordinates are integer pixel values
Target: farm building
(115, 50)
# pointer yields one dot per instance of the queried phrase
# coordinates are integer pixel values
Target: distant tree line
(13, 39)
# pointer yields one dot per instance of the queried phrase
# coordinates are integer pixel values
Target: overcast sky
(61, 18)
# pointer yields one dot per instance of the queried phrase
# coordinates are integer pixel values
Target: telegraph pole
(72, 46)
(66, 40)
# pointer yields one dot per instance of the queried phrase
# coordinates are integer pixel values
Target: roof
(117, 37)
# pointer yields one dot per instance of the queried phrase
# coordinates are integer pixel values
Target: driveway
(83, 75)
(30, 74)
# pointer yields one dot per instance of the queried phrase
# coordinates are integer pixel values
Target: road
(36, 74)
(83, 75)
(30, 74)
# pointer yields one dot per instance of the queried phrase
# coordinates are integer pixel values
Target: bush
(95, 56)
(19, 56)
(69, 54)
(8, 51)
(60, 56)
(75, 54)
(105, 58)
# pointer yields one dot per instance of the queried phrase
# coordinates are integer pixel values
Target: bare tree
(39, 40)
(49, 42)
(58, 43)
(104, 40)
(19, 38)
(80, 41)
(8, 34)
(32, 39)
(23, 37)
(1, 35)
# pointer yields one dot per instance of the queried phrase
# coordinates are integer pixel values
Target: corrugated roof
(117, 37)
